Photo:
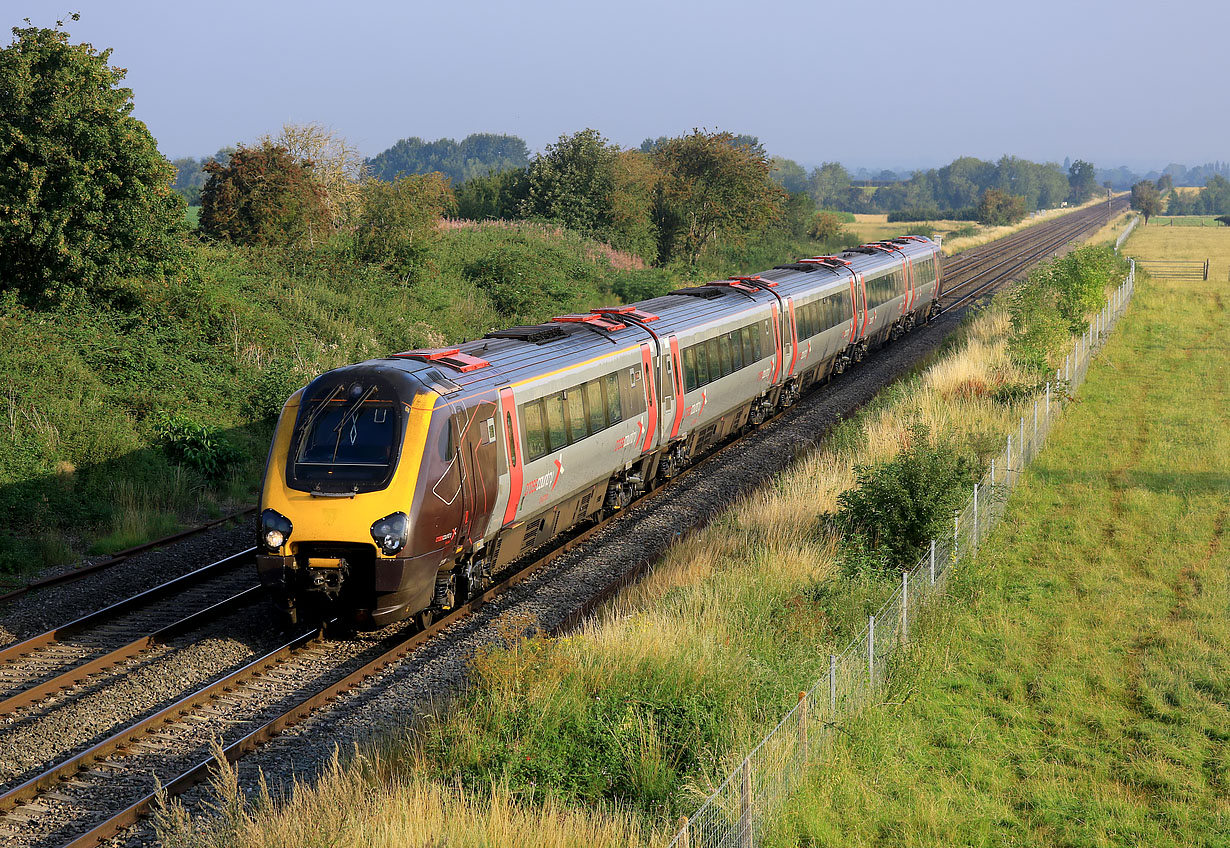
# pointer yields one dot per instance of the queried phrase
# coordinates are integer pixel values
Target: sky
(884, 84)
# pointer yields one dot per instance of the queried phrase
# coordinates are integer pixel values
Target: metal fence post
(932, 562)
(1035, 425)
(1048, 401)
(833, 682)
(905, 606)
(1008, 463)
(745, 806)
(1021, 449)
(803, 726)
(1067, 368)
(871, 651)
(975, 516)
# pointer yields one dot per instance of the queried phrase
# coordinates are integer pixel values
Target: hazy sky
(880, 84)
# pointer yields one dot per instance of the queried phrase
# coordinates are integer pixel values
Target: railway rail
(94, 794)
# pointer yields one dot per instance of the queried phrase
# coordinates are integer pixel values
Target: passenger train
(396, 487)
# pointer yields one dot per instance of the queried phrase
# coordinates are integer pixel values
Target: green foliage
(997, 208)
(263, 195)
(1213, 199)
(572, 183)
(1082, 180)
(1056, 300)
(1147, 200)
(497, 195)
(519, 277)
(911, 215)
(474, 157)
(711, 189)
(397, 222)
(84, 193)
(897, 507)
(789, 174)
(825, 226)
(197, 446)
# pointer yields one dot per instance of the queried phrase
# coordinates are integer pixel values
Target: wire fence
(1127, 232)
(735, 814)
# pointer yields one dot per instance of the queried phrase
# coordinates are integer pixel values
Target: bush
(998, 208)
(398, 221)
(197, 446)
(263, 195)
(897, 507)
(826, 226)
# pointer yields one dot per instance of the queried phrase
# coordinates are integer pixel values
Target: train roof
(518, 353)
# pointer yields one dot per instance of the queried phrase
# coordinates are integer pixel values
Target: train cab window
(557, 435)
(535, 433)
(595, 405)
(614, 408)
(578, 422)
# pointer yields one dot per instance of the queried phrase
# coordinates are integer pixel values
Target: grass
(634, 718)
(1185, 221)
(1087, 699)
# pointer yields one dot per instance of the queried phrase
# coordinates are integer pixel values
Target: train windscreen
(347, 435)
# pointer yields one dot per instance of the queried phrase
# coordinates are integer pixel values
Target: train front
(337, 506)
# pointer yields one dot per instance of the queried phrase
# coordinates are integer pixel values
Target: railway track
(92, 794)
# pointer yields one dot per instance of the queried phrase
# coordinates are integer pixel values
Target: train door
(509, 460)
(792, 338)
(648, 369)
(672, 416)
(479, 446)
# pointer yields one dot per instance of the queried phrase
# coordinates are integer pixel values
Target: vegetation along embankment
(1086, 699)
(611, 733)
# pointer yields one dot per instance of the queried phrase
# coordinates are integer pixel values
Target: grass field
(1185, 221)
(1075, 691)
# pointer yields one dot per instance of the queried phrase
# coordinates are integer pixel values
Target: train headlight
(275, 529)
(390, 533)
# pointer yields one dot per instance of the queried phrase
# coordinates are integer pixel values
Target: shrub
(263, 195)
(197, 446)
(896, 507)
(398, 221)
(826, 226)
(997, 208)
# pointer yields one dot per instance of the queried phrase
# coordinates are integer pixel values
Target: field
(1185, 221)
(1087, 698)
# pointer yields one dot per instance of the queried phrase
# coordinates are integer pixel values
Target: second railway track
(92, 793)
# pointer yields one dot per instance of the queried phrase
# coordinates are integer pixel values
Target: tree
(997, 208)
(789, 174)
(1146, 199)
(474, 156)
(263, 195)
(336, 166)
(572, 183)
(1082, 181)
(498, 195)
(828, 185)
(826, 226)
(398, 220)
(85, 196)
(711, 188)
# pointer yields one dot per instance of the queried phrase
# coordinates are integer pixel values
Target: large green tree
(711, 189)
(1146, 199)
(572, 183)
(85, 196)
(1082, 181)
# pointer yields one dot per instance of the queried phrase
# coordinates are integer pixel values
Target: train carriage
(396, 487)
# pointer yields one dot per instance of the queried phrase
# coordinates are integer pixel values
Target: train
(397, 487)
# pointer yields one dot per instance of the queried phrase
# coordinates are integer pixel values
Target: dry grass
(1150, 242)
(987, 234)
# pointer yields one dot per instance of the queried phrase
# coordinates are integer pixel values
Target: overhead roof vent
(707, 292)
(536, 334)
(451, 357)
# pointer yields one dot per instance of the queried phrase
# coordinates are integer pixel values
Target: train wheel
(424, 619)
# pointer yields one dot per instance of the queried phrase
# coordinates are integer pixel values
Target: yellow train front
(344, 529)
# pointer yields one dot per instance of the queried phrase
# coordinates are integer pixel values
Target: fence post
(871, 651)
(745, 806)
(1008, 463)
(992, 476)
(685, 837)
(803, 725)
(905, 606)
(975, 516)
(1021, 449)
(833, 683)
(1067, 368)
(956, 534)
(1048, 401)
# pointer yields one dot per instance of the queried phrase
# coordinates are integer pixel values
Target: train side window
(595, 406)
(712, 347)
(578, 427)
(702, 365)
(535, 435)
(512, 440)
(723, 346)
(736, 350)
(749, 348)
(557, 435)
(689, 369)
(614, 408)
